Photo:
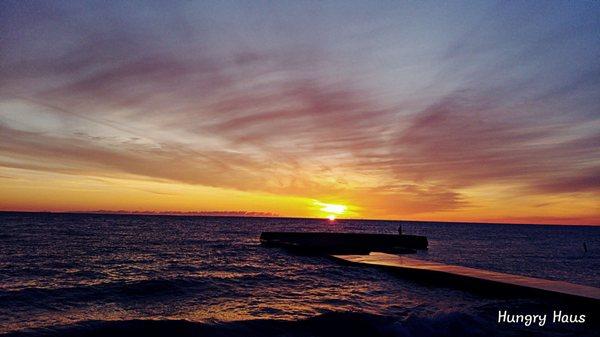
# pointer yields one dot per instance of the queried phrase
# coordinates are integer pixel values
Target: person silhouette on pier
(400, 230)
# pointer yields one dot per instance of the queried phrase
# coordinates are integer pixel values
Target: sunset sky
(474, 111)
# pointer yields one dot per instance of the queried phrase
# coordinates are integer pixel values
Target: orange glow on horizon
(313, 123)
(26, 190)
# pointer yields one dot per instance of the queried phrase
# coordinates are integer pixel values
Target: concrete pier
(348, 243)
(479, 277)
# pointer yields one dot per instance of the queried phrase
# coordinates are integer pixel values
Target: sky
(417, 110)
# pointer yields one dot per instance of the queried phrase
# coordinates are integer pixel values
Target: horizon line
(258, 214)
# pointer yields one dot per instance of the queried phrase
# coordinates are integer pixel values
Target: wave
(348, 324)
(122, 291)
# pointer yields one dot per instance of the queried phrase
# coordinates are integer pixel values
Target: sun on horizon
(218, 108)
(331, 211)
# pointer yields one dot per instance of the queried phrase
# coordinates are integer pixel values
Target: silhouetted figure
(584, 247)
(400, 230)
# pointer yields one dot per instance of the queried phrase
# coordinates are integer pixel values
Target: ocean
(111, 275)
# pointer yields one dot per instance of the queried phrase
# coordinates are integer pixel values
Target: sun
(331, 211)
(335, 209)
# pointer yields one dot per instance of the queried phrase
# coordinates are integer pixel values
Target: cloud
(192, 213)
(583, 181)
(189, 96)
(408, 200)
(466, 141)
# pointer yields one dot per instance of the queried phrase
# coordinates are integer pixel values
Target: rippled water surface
(60, 269)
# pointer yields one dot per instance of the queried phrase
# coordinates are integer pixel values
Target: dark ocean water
(108, 275)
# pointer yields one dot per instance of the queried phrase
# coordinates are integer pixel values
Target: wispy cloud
(397, 115)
